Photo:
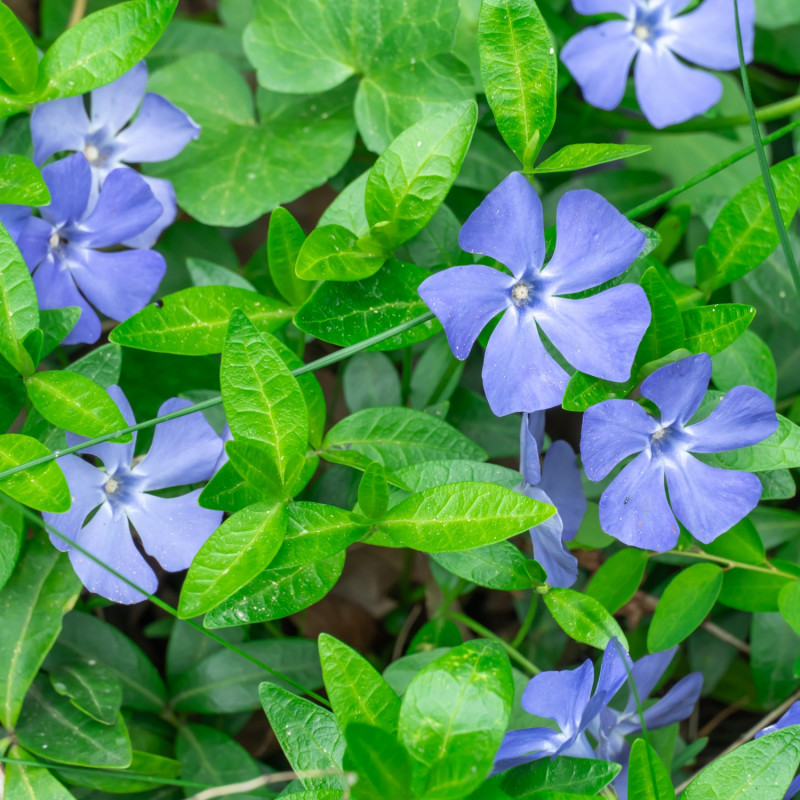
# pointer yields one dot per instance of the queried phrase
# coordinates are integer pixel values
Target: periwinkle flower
(171, 529)
(707, 500)
(159, 132)
(791, 717)
(566, 697)
(557, 483)
(598, 335)
(62, 248)
(653, 33)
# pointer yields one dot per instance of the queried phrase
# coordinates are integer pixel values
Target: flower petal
(614, 669)
(58, 125)
(464, 299)
(520, 747)
(172, 529)
(107, 537)
(709, 500)
(508, 226)
(599, 59)
(625, 7)
(678, 388)
(159, 132)
(164, 192)
(126, 207)
(559, 564)
(707, 35)
(676, 705)
(13, 219)
(647, 672)
(114, 104)
(34, 241)
(745, 416)
(613, 430)
(598, 335)
(594, 243)
(184, 450)
(86, 491)
(668, 91)
(561, 481)
(518, 373)
(70, 183)
(634, 507)
(531, 434)
(791, 717)
(561, 696)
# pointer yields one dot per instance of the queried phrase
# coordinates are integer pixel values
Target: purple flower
(707, 500)
(171, 529)
(565, 697)
(63, 247)
(611, 727)
(558, 483)
(791, 717)
(159, 132)
(597, 335)
(668, 91)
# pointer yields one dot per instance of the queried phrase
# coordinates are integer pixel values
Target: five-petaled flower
(557, 482)
(159, 132)
(707, 500)
(171, 529)
(791, 717)
(668, 91)
(62, 247)
(598, 335)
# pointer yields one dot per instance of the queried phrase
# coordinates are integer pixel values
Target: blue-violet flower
(707, 500)
(171, 529)
(597, 334)
(668, 90)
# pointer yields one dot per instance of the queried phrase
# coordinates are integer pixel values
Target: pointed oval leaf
(648, 778)
(21, 183)
(333, 253)
(92, 687)
(284, 241)
(583, 618)
(19, 63)
(42, 487)
(19, 309)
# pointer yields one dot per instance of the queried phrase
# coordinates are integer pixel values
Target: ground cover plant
(399, 399)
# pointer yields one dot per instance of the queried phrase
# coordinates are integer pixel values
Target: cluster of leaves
(411, 110)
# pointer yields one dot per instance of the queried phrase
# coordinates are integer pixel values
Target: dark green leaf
(583, 618)
(710, 329)
(617, 580)
(146, 765)
(370, 380)
(11, 540)
(648, 778)
(103, 365)
(747, 361)
(21, 183)
(774, 649)
(779, 451)
(92, 687)
(748, 590)
(563, 773)
(23, 782)
(497, 566)
(206, 273)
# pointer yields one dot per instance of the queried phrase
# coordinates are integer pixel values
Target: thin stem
(77, 12)
(325, 361)
(727, 562)
(513, 653)
(527, 622)
(762, 157)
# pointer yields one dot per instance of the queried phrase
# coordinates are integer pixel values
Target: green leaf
(395, 438)
(333, 253)
(583, 618)
(309, 736)
(618, 578)
(789, 604)
(381, 762)
(759, 770)
(91, 687)
(747, 361)
(232, 556)
(666, 331)
(584, 391)
(229, 490)
(648, 778)
(685, 603)
(19, 310)
(42, 487)
(277, 593)
(373, 491)
(262, 398)
(747, 590)
(284, 240)
(774, 649)
(519, 72)
(563, 773)
(11, 540)
(256, 464)
(133, 779)
(75, 403)
(51, 727)
(744, 232)
(19, 63)
(460, 516)
(347, 313)
(740, 543)
(412, 177)
(206, 273)
(102, 47)
(710, 329)
(501, 565)
(779, 451)
(225, 683)
(370, 380)
(193, 322)
(41, 590)
(453, 717)
(55, 324)
(23, 782)
(21, 183)
(581, 156)
(357, 692)
(103, 365)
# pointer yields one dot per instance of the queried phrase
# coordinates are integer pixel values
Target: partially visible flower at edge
(668, 91)
(707, 500)
(791, 717)
(171, 529)
(62, 247)
(159, 132)
(558, 483)
(598, 335)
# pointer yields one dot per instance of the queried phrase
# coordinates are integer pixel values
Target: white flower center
(521, 293)
(659, 434)
(112, 484)
(642, 32)
(92, 153)
(55, 239)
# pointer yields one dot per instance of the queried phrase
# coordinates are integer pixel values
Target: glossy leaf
(91, 687)
(145, 771)
(25, 782)
(789, 604)
(710, 329)
(44, 486)
(19, 310)
(747, 361)
(19, 62)
(373, 491)
(581, 156)
(563, 773)
(583, 618)
(21, 183)
(284, 242)
(648, 778)
(334, 253)
(752, 590)
(381, 762)
(779, 451)
(501, 565)
(206, 273)
(618, 578)
(666, 331)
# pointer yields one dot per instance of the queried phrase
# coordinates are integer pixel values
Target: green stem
(726, 562)
(325, 361)
(513, 653)
(527, 622)
(762, 157)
